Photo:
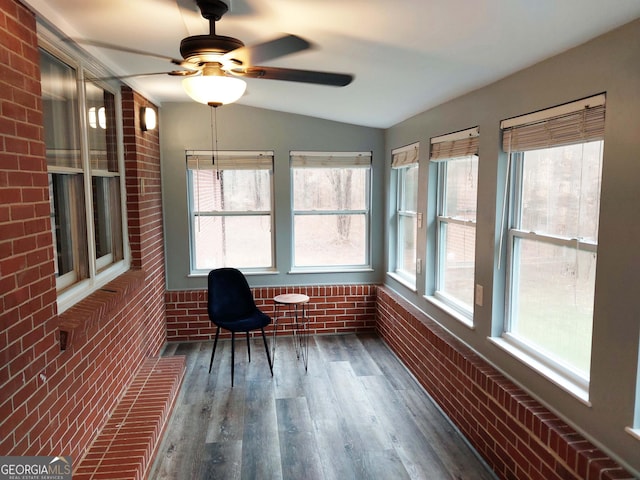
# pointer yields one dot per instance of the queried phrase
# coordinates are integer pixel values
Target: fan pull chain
(198, 189)
(214, 138)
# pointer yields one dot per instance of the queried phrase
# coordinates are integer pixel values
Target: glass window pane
(101, 120)
(561, 190)
(231, 190)
(330, 189)
(330, 240)
(409, 197)
(107, 217)
(60, 112)
(461, 188)
(407, 244)
(240, 238)
(68, 225)
(232, 241)
(458, 262)
(554, 294)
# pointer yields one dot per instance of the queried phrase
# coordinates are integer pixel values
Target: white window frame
(634, 430)
(208, 159)
(404, 159)
(334, 160)
(100, 271)
(571, 378)
(560, 373)
(452, 146)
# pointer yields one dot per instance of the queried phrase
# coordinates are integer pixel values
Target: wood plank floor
(355, 414)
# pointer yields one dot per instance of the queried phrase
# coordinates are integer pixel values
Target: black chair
(231, 306)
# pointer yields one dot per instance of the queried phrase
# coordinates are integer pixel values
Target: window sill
(634, 432)
(205, 273)
(77, 323)
(411, 285)
(305, 270)
(572, 387)
(78, 292)
(464, 319)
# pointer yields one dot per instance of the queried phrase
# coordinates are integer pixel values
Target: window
(230, 209)
(636, 419)
(556, 164)
(456, 158)
(105, 175)
(85, 181)
(405, 164)
(331, 197)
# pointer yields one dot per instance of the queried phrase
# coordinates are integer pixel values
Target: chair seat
(254, 321)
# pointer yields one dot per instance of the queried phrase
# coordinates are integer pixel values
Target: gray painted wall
(187, 126)
(610, 64)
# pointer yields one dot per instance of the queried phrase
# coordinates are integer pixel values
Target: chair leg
(248, 347)
(215, 343)
(266, 349)
(233, 354)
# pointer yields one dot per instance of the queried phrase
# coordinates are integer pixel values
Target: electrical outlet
(479, 293)
(418, 266)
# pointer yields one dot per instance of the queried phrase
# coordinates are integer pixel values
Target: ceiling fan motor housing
(207, 48)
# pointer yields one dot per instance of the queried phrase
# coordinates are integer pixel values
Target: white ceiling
(406, 55)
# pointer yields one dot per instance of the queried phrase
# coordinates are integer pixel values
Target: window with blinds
(404, 162)
(230, 209)
(456, 158)
(331, 207)
(555, 159)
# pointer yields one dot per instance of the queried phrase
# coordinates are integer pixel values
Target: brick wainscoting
(516, 435)
(331, 309)
(55, 397)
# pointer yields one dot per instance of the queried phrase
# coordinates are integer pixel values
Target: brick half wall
(516, 435)
(331, 309)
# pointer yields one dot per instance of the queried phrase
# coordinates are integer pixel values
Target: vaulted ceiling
(406, 55)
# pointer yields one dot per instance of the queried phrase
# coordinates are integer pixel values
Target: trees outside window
(230, 209)
(552, 237)
(331, 198)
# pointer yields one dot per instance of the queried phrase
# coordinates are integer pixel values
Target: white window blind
(229, 160)
(455, 145)
(405, 156)
(330, 159)
(575, 122)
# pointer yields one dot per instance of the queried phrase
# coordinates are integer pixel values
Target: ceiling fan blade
(133, 75)
(293, 75)
(174, 73)
(95, 43)
(262, 52)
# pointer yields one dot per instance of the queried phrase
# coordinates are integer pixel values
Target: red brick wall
(516, 435)
(27, 307)
(144, 212)
(331, 309)
(53, 402)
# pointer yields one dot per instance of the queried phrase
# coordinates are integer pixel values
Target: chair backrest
(229, 295)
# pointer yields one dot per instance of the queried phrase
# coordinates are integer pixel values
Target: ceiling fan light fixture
(214, 90)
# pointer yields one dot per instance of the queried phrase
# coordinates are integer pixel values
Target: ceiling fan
(213, 65)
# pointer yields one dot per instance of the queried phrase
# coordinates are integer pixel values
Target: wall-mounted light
(148, 119)
(97, 118)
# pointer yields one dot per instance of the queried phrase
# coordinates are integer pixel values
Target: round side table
(295, 302)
